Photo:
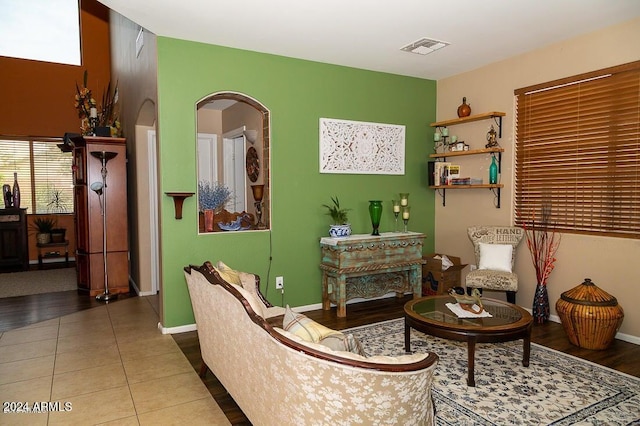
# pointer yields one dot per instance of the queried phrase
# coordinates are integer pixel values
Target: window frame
(33, 180)
(577, 153)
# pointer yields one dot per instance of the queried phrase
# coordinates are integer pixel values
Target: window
(42, 30)
(44, 174)
(578, 153)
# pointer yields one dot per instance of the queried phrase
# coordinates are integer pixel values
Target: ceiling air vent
(424, 46)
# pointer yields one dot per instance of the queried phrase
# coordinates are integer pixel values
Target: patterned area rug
(35, 282)
(556, 389)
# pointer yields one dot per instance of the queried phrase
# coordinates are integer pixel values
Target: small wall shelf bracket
(498, 120)
(178, 199)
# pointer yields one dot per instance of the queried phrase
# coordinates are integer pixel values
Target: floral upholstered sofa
(278, 378)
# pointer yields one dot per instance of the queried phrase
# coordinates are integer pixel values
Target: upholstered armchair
(495, 252)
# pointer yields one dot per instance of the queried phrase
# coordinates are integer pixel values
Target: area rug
(556, 388)
(35, 282)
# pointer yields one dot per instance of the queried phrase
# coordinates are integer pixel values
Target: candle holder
(404, 199)
(405, 217)
(258, 191)
(396, 212)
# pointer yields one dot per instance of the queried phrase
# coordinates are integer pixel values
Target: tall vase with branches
(543, 243)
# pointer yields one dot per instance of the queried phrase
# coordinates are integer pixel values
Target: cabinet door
(82, 223)
(10, 250)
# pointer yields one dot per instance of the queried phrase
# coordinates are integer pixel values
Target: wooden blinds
(578, 153)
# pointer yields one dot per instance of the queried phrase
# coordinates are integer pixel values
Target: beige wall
(609, 262)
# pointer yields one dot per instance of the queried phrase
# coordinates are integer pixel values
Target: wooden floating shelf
(485, 185)
(468, 119)
(178, 199)
(470, 152)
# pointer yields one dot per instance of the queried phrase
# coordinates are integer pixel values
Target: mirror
(233, 163)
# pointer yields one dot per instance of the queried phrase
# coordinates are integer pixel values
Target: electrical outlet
(279, 283)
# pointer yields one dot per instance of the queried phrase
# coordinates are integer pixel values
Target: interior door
(234, 177)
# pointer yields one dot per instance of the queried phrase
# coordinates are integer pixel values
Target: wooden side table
(44, 251)
(370, 266)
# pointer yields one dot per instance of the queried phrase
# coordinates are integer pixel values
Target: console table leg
(415, 280)
(471, 355)
(341, 297)
(326, 304)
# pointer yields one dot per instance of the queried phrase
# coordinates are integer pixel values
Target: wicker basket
(590, 316)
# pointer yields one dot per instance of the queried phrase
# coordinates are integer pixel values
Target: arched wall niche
(233, 149)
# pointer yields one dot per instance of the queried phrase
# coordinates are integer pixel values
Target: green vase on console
(375, 211)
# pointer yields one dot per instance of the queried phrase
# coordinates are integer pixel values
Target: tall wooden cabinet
(14, 251)
(89, 226)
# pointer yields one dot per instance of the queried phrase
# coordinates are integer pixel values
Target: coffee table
(430, 315)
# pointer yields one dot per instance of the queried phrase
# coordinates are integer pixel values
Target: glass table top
(434, 309)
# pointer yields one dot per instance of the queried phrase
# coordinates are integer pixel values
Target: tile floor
(111, 363)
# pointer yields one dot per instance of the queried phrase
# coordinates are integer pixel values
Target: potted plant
(43, 227)
(57, 204)
(340, 226)
(211, 199)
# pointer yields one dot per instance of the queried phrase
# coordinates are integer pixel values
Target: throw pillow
(229, 275)
(232, 277)
(495, 257)
(311, 331)
(244, 279)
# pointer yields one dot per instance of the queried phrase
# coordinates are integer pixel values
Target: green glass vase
(375, 211)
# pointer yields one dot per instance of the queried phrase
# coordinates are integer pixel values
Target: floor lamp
(100, 188)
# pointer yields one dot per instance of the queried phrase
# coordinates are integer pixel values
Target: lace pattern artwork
(361, 148)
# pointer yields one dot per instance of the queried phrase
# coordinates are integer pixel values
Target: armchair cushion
(495, 257)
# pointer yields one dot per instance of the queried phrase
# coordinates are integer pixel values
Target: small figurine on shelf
(492, 138)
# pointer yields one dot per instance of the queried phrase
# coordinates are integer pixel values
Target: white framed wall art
(358, 147)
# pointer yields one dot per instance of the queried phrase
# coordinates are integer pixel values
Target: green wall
(298, 93)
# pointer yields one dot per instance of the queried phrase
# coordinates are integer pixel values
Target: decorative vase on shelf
(464, 110)
(16, 192)
(208, 220)
(375, 211)
(6, 196)
(540, 311)
(493, 171)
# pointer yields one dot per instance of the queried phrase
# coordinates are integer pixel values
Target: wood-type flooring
(24, 310)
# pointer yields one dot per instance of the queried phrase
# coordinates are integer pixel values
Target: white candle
(396, 208)
(93, 113)
(405, 214)
(404, 202)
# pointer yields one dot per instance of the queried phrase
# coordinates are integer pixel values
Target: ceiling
(369, 34)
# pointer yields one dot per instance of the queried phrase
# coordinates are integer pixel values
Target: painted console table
(370, 266)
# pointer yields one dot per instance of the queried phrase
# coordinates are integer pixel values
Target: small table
(46, 248)
(430, 315)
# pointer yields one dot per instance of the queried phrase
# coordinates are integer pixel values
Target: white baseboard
(176, 330)
(356, 300)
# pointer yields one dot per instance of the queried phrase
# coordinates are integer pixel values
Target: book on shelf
(461, 181)
(440, 172)
(453, 172)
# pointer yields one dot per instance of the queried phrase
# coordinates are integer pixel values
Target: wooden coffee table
(430, 315)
